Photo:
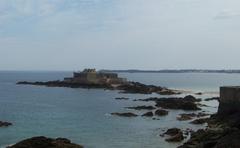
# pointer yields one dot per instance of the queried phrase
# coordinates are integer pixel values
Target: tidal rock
(185, 117)
(161, 112)
(172, 131)
(122, 98)
(125, 114)
(5, 124)
(213, 98)
(187, 103)
(176, 138)
(43, 142)
(190, 116)
(148, 114)
(176, 135)
(142, 107)
(200, 121)
(199, 93)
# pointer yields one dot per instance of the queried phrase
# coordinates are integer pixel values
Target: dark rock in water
(43, 142)
(5, 124)
(125, 114)
(199, 93)
(122, 98)
(176, 138)
(191, 98)
(200, 121)
(148, 114)
(213, 98)
(142, 107)
(161, 112)
(185, 117)
(136, 87)
(172, 131)
(190, 116)
(187, 103)
(176, 135)
(66, 84)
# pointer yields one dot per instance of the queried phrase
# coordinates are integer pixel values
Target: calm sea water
(82, 115)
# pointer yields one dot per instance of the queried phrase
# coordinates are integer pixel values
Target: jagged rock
(172, 131)
(148, 114)
(213, 98)
(125, 114)
(176, 135)
(43, 142)
(190, 116)
(200, 121)
(176, 138)
(185, 117)
(5, 124)
(122, 98)
(186, 103)
(199, 93)
(144, 107)
(161, 112)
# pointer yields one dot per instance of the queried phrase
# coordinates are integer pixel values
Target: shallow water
(82, 115)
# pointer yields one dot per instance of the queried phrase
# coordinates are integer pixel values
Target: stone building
(91, 76)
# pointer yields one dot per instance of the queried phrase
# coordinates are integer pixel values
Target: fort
(91, 76)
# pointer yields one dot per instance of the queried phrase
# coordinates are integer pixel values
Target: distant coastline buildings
(91, 76)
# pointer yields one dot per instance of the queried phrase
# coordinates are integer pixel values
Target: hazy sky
(119, 34)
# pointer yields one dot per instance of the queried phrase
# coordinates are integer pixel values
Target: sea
(83, 115)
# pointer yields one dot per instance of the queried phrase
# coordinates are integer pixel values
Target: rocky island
(90, 78)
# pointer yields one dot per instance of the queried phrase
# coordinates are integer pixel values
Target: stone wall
(229, 102)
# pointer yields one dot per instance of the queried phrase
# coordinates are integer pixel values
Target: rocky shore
(128, 87)
(223, 129)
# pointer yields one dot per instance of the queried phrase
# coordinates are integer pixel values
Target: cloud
(226, 14)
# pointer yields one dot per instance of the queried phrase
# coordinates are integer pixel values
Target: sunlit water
(82, 115)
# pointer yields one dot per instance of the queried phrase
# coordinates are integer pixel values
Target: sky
(119, 34)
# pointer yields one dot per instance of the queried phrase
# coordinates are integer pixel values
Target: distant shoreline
(175, 71)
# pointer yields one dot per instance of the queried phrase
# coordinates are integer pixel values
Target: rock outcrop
(5, 124)
(144, 107)
(186, 103)
(43, 142)
(161, 112)
(176, 135)
(148, 114)
(125, 114)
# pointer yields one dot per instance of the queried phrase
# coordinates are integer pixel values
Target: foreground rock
(124, 114)
(200, 121)
(190, 116)
(148, 114)
(142, 107)
(43, 142)
(186, 103)
(161, 112)
(5, 124)
(176, 135)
